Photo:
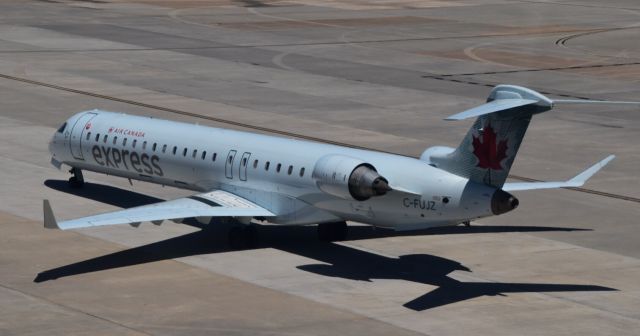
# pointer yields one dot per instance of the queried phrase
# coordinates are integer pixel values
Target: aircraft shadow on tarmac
(338, 260)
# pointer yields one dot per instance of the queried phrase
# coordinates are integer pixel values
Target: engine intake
(349, 178)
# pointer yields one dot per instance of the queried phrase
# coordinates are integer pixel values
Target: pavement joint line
(539, 69)
(222, 330)
(69, 308)
(474, 277)
(280, 132)
(450, 78)
(409, 39)
(478, 277)
(577, 5)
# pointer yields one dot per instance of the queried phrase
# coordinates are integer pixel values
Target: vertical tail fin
(490, 147)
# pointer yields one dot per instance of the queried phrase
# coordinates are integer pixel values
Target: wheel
(340, 231)
(332, 231)
(75, 183)
(77, 180)
(466, 223)
(251, 236)
(236, 238)
(324, 232)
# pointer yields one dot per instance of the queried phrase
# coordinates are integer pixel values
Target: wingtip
(583, 177)
(49, 219)
(608, 159)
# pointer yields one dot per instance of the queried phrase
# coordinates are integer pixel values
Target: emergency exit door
(228, 166)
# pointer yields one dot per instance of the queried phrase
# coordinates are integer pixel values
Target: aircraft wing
(215, 204)
(577, 181)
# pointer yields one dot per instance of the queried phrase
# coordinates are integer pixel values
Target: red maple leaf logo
(488, 152)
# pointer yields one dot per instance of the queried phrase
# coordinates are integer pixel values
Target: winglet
(49, 219)
(581, 178)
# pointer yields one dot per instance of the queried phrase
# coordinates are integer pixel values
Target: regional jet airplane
(250, 178)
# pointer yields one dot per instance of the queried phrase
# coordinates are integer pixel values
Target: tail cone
(503, 202)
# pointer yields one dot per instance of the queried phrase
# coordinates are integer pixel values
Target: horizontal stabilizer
(491, 107)
(505, 97)
(578, 181)
(586, 101)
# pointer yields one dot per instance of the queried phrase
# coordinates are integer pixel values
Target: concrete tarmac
(377, 74)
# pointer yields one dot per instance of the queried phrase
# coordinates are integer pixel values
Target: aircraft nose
(52, 144)
(56, 140)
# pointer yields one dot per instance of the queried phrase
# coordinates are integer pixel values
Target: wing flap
(212, 204)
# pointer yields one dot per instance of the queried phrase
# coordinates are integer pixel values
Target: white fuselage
(274, 172)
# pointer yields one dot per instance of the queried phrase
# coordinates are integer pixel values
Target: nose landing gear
(77, 180)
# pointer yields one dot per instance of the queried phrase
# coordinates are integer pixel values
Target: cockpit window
(61, 129)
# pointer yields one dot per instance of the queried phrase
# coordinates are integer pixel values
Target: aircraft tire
(76, 180)
(75, 183)
(329, 232)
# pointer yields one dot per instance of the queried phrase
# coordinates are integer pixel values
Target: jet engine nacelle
(348, 178)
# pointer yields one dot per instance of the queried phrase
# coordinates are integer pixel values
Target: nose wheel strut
(77, 180)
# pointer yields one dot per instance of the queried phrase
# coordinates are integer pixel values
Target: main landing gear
(243, 236)
(77, 180)
(329, 232)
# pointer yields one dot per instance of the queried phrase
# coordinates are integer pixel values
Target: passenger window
(144, 145)
(133, 144)
(302, 172)
(124, 142)
(244, 161)
(266, 166)
(164, 148)
(195, 151)
(61, 129)
(184, 151)
(88, 135)
(115, 140)
(278, 167)
(255, 164)
(230, 159)
(105, 138)
(153, 148)
(175, 149)
(97, 137)
(204, 154)
(215, 155)
(290, 170)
